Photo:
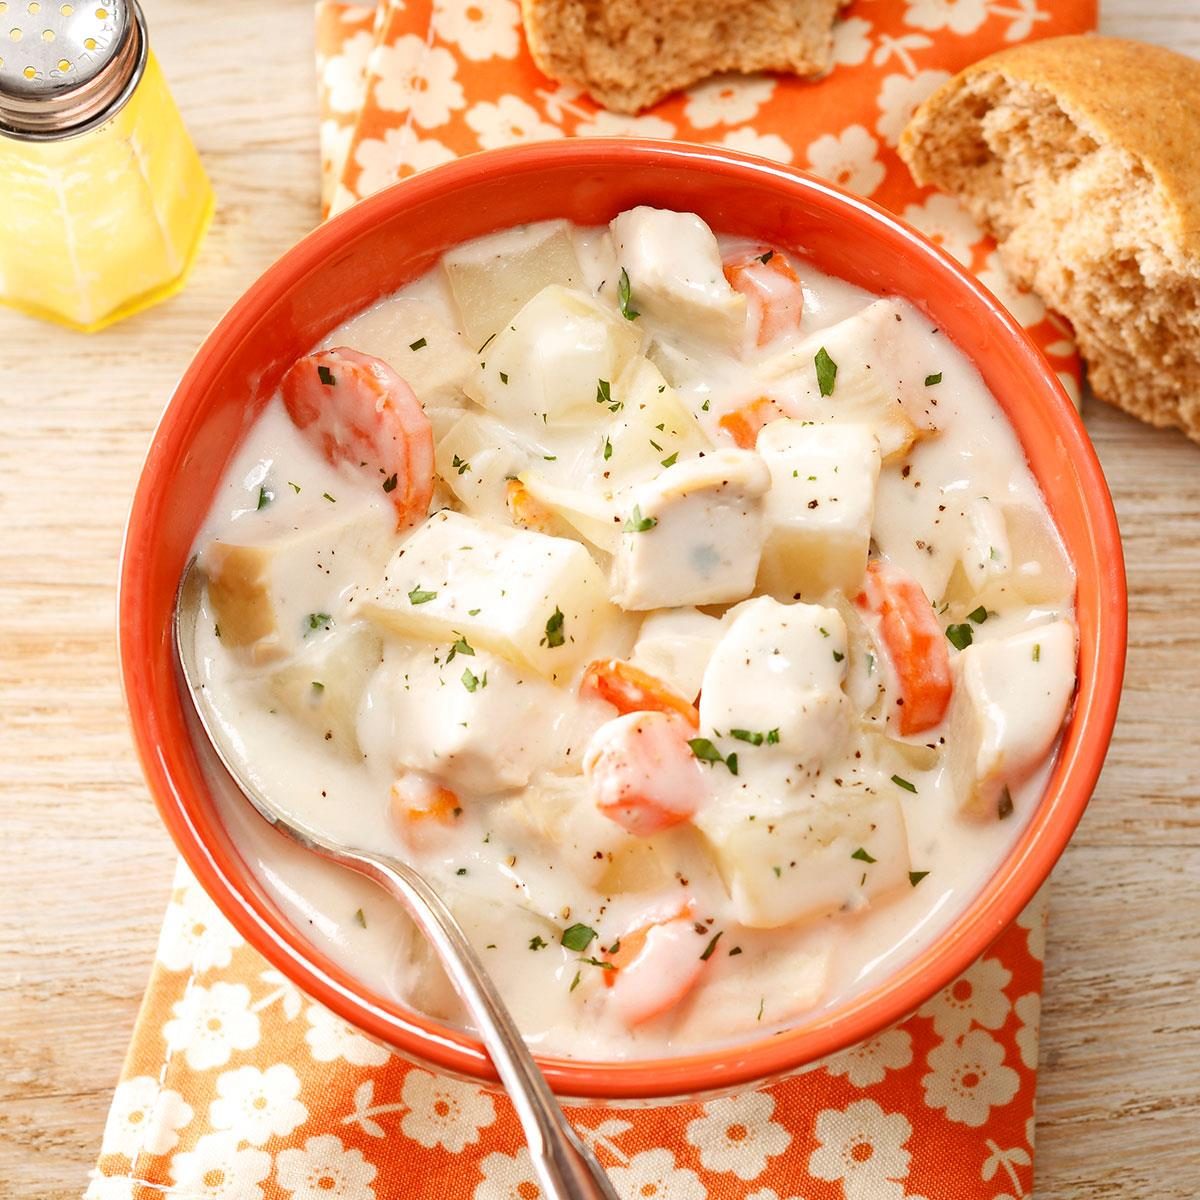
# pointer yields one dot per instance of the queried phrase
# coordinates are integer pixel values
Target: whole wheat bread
(1081, 155)
(627, 54)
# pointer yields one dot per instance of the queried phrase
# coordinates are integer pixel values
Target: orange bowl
(384, 242)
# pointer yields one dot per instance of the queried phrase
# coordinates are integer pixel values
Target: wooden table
(86, 866)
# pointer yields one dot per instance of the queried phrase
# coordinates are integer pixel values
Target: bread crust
(629, 54)
(1081, 155)
(1143, 98)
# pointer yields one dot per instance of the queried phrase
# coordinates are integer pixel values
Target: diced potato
(820, 507)
(289, 576)
(779, 670)
(538, 601)
(584, 513)
(476, 458)
(410, 336)
(693, 535)
(555, 362)
(1010, 699)
(876, 383)
(492, 278)
(676, 275)
(675, 645)
(653, 428)
(473, 721)
(324, 686)
(985, 557)
(837, 852)
(1041, 571)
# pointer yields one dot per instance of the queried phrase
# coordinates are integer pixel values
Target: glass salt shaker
(103, 200)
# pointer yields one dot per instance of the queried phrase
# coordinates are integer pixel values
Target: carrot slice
(770, 284)
(654, 967)
(914, 643)
(743, 424)
(630, 689)
(416, 803)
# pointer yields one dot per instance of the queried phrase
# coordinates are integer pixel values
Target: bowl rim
(754, 1061)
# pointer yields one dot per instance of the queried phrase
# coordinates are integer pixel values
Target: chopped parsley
(772, 737)
(915, 877)
(636, 523)
(460, 465)
(978, 616)
(471, 681)
(554, 629)
(325, 375)
(762, 1003)
(712, 945)
(419, 596)
(578, 937)
(461, 871)
(389, 484)
(903, 783)
(746, 735)
(705, 751)
(838, 656)
(607, 449)
(264, 497)
(419, 344)
(317, 686)
(627, 310)
(604, 395)
(863, 856)
(1037, 651)
(960, 636)
(317, 620)
(537, 942)
(294, 486)
(778, 871)
(462, 646)
(327, 496)
(575, 981)
(361, 918)
(504, 378)
(826, 371)
(766, 258)
(671, 459)
(933, 380)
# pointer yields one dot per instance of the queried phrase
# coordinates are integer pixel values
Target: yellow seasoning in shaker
(103, 201)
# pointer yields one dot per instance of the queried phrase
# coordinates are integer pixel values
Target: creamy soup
(689, 617)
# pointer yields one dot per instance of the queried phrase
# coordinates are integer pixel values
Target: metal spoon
(566, 1168)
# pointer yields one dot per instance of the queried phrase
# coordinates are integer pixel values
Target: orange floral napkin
(238, 1087)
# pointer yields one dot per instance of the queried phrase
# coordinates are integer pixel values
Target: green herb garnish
(471, 681)
(325, 375)
(766, 258)
(746, 735)
(711, 946)
(1037, 651)
(361, 918)
(863, 856)
(671, 459)
(933, 380)
(978, 616)
(1005, 807)
(462, 646)
(419, 596)
(554, 629)
(908, 787)
(419, 344)
(537, 942)
(960, 636)
(915, 877)
(636, 523)
(389, 484)
(578, 937)
(316, 620)
(264, 497)
(826, 371)
(627, 310)
(607, 449)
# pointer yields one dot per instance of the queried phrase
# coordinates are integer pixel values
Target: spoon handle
(566, 1168)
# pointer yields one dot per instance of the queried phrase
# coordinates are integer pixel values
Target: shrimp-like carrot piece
(642, 772)
(630, 689)
(914, 643)
(773, 289)
(743, 424)
(654, 967)
(526, 510)
(416, 802)
(355, 409)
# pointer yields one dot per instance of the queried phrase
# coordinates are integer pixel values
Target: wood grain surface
(85, 866)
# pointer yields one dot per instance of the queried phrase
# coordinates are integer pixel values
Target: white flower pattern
(417, 79)
(848, 159)
(144, 1117)
(610, 124)
(330, 1038)
(737, 1134)
(325, 1170)
(727, 100)
(344, 75)
(217, 1170)
(1029, 1012)
(507, 122)
(967, 1078)
(869, 1062)
(195, 935)
(959, 16)
(481, 29)
(765, 145)
(209, 1024)
(945, 222)
(109, 1187)
(507, 1177)
(862, 1146)
(898, 98)
(444, 1112)
(1025, 305)
(258, 1105)
(976, 997)
(851, 42)
(654, 1175)
(382, 161)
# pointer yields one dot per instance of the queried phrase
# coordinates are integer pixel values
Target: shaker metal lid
(66, 66)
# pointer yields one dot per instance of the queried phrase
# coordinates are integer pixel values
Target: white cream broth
(753, 491)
